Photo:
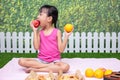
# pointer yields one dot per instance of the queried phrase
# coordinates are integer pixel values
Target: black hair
(51, 11)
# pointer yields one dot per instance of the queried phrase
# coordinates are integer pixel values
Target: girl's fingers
(68, 34)
(32, 26)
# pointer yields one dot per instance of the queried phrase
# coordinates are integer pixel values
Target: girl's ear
(49, 19)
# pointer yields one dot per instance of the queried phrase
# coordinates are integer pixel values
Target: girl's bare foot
(28, 70)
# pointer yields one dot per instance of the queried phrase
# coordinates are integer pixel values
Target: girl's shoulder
(57, 30)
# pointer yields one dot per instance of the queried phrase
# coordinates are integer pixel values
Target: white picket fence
(78, 42)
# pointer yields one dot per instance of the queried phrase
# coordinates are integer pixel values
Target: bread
(41, 77)
(34, 76)
(76, 76)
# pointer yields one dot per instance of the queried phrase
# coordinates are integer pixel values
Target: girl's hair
(51, 11)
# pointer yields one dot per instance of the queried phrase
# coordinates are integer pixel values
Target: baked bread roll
(76, 76)
(32, 76)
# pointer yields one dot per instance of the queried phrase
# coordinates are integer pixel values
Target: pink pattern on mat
(12, 71)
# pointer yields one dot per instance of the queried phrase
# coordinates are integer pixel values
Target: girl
(49, 42)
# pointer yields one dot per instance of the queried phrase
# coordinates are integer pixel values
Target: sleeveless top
(48, 50)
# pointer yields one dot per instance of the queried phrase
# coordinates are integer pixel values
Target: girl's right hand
(32, 26)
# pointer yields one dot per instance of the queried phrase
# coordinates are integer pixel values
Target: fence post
(77, 42)
(113, 42)
(83, 42)
(27, 42)
(119, 42)
(71, 43)
(107, 38)
(32, 47)
(89, 42)
(2, 42)
(8, 42)
(101, 43)
(95, 42)
(20, 42)
(14, 42)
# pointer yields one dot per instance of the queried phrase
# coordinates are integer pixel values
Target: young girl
(49, 42)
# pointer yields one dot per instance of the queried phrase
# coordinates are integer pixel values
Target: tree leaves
(85, 15)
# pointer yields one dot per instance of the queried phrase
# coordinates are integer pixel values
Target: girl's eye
(40, 14)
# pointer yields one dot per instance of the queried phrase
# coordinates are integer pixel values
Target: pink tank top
(48, 50)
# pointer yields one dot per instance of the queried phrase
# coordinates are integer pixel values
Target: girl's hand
(68, 34)
(32, 26)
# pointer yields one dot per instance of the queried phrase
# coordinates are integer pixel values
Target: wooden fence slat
(113, 42)
(119, 42)
(77, 42)
(14, 42)
(27, 42)
(95, 42)
(101, 39)
(83, 42)
(8, 42)
(89, 42)
(32, 47)
(20, 42)
(107, 42)
(71, 43)
(2, 42)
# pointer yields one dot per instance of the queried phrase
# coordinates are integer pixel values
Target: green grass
(5, 57)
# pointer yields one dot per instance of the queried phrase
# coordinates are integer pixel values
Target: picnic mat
(12, 71)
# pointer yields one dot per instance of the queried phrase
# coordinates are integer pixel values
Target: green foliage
(85, 15)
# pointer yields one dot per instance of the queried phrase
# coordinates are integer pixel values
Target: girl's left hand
(68, 34)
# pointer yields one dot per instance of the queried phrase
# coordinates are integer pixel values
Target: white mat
(12, 71)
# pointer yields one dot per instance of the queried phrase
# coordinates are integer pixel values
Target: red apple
(36, 23)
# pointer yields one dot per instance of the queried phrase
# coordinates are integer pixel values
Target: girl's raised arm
(62, 43)
(36, 37)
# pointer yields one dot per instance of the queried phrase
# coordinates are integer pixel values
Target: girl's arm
(62, 43)
(36, 40)
(36, 37)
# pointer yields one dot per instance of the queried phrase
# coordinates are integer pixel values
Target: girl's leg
(31, 63)
(52, 67)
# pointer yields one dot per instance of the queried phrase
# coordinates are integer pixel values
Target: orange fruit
(99, 73)
(103, 69)
(107, 72)
(68, 27)
(89, 72)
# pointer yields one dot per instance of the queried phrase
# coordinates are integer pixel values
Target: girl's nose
(38, 16)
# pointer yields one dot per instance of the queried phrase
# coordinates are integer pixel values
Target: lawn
(5, 57)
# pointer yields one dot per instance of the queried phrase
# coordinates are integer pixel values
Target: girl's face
(43, 17)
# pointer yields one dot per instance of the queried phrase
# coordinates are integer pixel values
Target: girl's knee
(21, 61)
(63, 66)
(66, 67)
